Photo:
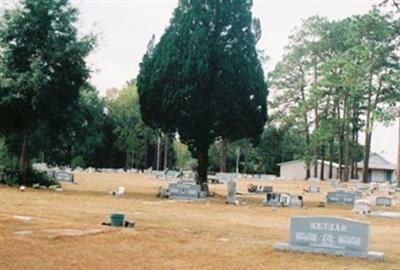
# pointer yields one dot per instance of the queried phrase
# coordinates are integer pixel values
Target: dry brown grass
(169, 234)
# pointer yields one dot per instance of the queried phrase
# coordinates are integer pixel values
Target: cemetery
(174, 134)
(71, 221)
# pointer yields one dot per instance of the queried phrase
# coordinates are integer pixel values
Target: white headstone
(361, 207)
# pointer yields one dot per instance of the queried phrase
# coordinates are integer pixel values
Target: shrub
(78, 162)
(11, 177)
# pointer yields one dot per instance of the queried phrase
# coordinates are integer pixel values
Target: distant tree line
(195, 104)
(336, 80)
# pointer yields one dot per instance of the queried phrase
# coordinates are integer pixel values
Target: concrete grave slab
(386, 214)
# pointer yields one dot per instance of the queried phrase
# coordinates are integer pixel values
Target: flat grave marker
(386, 214)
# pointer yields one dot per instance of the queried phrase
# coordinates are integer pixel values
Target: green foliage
(275, 145)
(184, 159)
(204, 78)
(42, 66)
(78, 161)
(12, 177)
(42, 69)
(7, 159)
(133, 137)
(123, 108)
(336, 79)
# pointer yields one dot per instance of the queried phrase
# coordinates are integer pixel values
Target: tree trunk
(315, 164)
(354, 142)
(367, 142)
(316, 147)
(316, 115)
(398, 155)
(340, 158)
(367, 147)
(355, 158)
(202, 159)
(352, 175)
(237, 160)
(165, 152)
(158, 153)
(132, 164)
(330, 175)
(322, 170)
(145, 158)
(307, 132)
(346, 159)
(346, 143)
(224, 149)
(127, 154)
(245, 161)
(340, 146)
(308, 167)
(23, 160)
(368, 132)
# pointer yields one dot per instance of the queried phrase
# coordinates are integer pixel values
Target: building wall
(377, 175)
(297, 170)
(293, 170)
(326, 171)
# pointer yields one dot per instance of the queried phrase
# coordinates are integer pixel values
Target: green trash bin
(117, 220)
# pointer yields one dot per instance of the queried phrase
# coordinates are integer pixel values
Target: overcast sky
(126, 26)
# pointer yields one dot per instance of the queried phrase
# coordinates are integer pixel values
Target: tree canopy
(42, 67)
(336, 80)
(204, 78)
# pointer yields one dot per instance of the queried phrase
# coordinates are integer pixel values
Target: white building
(380, 170)
(296, 169)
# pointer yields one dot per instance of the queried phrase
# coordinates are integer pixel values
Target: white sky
(126, 26)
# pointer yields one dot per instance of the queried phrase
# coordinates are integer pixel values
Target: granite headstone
(231, 198)
(341, 197)
(383, 201)
(185, 191)
(64, 176)
(329, 235)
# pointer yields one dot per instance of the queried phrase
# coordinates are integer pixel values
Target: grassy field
(65, 230)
